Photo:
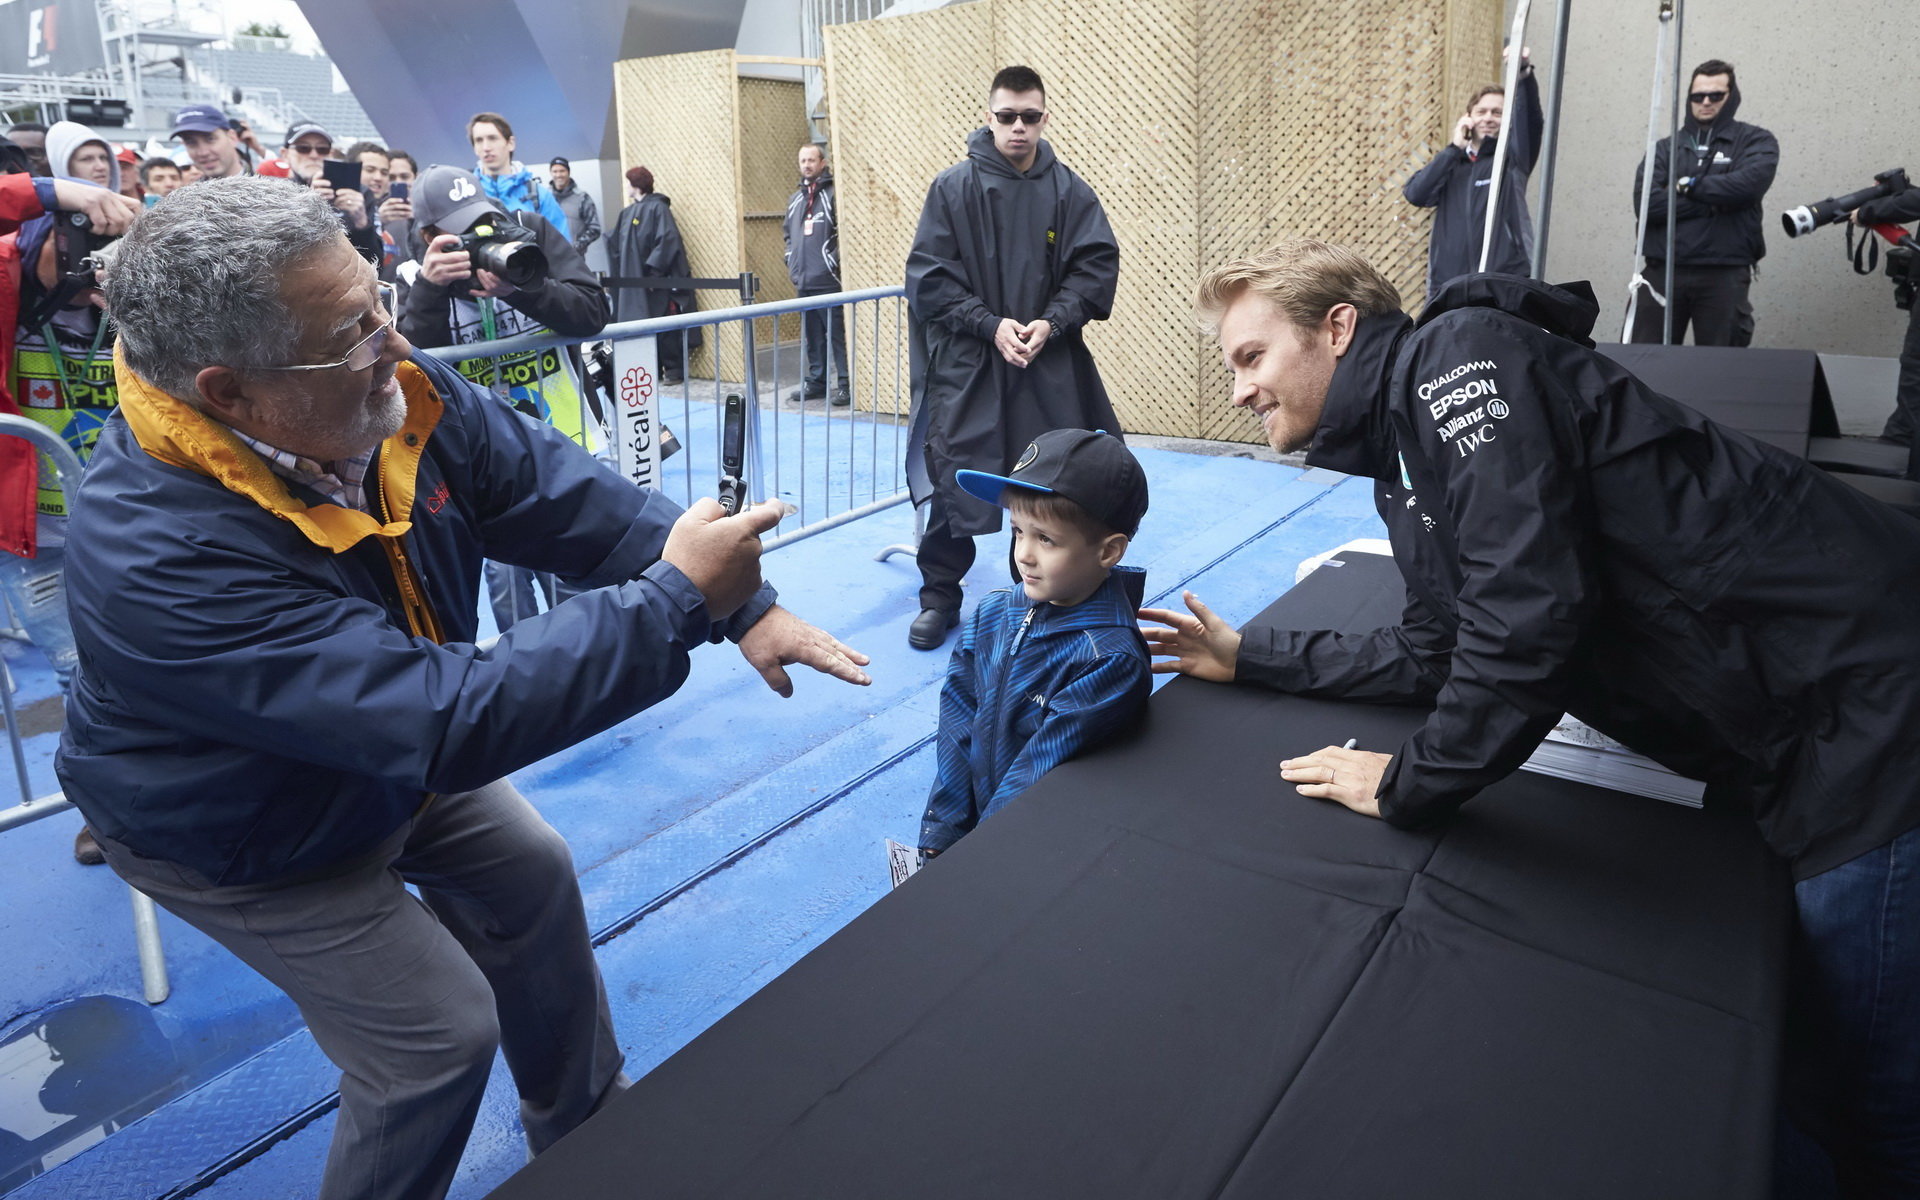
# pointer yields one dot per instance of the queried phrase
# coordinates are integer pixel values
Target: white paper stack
(1583, 754)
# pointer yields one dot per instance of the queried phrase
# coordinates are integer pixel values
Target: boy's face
(1058, 563)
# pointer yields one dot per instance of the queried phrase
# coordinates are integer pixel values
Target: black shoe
(86, 851)
(796, 396)
(930, 628)
(672, 378)
(840, 398)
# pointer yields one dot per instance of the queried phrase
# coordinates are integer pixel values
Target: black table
(1163, 974)
(1777, 396)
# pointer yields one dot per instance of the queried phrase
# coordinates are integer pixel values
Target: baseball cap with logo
(449, 199)
(302, 129)
(199, 118)
(1090, 467)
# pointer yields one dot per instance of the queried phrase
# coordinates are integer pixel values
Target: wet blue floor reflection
(75, 1074)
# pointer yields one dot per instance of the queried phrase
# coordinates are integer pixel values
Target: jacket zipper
(421, 618)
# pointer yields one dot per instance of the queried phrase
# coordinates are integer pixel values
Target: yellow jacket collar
(179, 434)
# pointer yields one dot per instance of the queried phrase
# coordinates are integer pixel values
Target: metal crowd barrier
(146, 921)
(835, 465)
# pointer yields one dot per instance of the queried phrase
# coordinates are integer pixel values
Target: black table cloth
(1161, 973)
(1777, 396)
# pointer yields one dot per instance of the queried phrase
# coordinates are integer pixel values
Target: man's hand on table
(1201, 645)
(780, 639)
(1350, 777)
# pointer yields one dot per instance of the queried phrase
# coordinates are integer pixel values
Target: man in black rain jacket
(1575, 542)
(1726, 167)
(1012, 258)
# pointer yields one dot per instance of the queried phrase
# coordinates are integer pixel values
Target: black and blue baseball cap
(1090, 467)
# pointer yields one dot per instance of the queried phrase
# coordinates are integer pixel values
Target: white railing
(834, 464)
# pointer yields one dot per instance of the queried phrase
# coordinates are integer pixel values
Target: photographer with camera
(56, 358)
(1726, 167)
(1897, 208)
(484, 277)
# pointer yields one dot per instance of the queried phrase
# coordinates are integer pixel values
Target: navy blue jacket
(1456, 187)
(269, 684)
(1028, 687)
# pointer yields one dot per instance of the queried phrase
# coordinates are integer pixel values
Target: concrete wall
(1837, 83)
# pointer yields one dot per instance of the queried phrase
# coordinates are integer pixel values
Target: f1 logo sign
(43, 30)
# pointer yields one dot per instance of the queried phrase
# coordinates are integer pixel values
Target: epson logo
(1431, 386)
(1466, 393)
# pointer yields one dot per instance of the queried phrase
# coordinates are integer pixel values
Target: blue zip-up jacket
(519, 191)
(1030, 686)
(270, 684)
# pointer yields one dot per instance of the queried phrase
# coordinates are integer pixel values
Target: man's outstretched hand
(779, 639)
(1201, 644)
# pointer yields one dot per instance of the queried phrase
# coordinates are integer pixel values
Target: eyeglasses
(1706, 97)
(312, 148)
(367, 350)
(1031, 116)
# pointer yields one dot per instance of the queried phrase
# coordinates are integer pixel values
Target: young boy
(1057, 666)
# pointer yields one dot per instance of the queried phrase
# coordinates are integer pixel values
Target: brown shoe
(86, 851)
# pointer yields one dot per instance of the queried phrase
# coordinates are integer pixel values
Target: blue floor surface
(719, 837)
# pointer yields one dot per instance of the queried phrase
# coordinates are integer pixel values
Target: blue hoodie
(1028, 687)
(519, 191)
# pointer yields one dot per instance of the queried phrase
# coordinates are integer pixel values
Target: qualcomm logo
(462, 188)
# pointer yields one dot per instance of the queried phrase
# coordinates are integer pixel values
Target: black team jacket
(1574, 541)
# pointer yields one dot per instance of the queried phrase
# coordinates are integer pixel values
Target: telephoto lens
(519, 263)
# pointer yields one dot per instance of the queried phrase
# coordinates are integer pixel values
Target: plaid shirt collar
(345, 484)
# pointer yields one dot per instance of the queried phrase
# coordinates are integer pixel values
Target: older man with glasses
(281, 717)
(1012, 258)
(307, 149)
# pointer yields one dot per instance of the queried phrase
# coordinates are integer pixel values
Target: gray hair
(197, 282)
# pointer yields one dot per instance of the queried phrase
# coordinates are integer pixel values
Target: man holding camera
(1898, 209)
(293, 503)
(307, 152)
(1726, 167)
(453, 299)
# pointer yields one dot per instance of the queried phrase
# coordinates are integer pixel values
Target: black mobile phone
(399, 189)
(344, 176)
(733, 443)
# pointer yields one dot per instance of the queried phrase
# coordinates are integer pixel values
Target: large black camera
(1903, 267)
(506, 249)
(1809, 217)
(79, 255)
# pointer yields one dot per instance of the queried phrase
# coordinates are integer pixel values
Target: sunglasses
(1031, 116)
(312, 148)
(1706, 97)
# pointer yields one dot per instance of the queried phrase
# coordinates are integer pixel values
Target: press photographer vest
(62, 377)
(540, 383)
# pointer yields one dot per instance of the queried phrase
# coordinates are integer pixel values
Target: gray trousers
(409, 998)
